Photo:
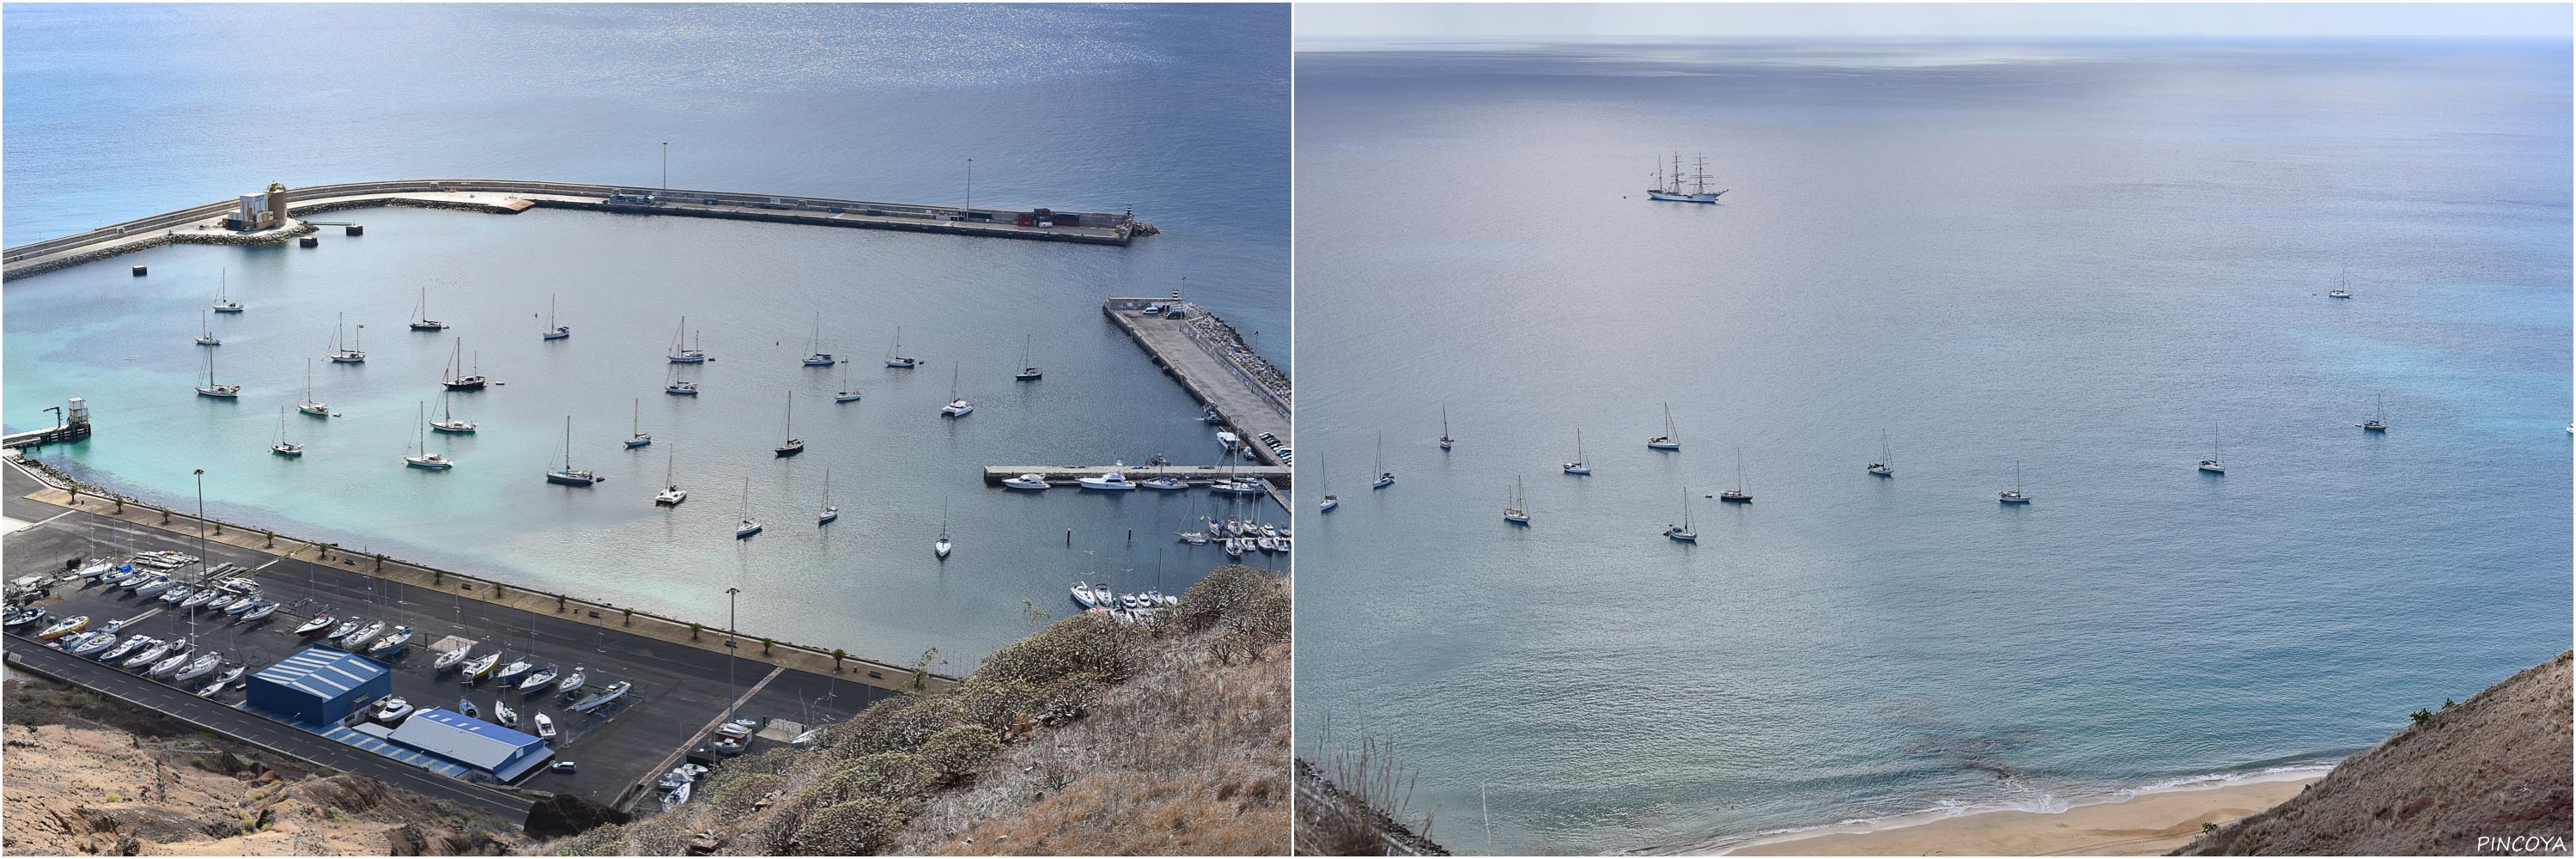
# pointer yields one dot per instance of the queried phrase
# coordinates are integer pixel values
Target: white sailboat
(849, 393)
(1517, 512)
(2014, 495)
(794, 445)
(220, 392)
(957, 406)
(1672, 438)
(223, 294)
(671, 494)
(1737, 495)
(677, 387)
(283, 447)
(1029, 371)
(1445, 440)
(425, 459)
(819, 358)
(829, 512)
(941, 547)
(1669, 187)
(1886, 464)
(897, 359)
(312, 406)
(447, 421)
(1377, 463)
(681, 355)
(2342, 280)
(206, 334)
(1683, 532)
(2379, 419)
(748, 526)
(635, 425)
(420, 320)
(1324, 481)
(2212, 465)
(553, 331)
(567, 475)
(1578, 466)
(350, 354)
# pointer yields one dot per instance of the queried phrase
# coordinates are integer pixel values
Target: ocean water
(2102, 260)
(1096, 108)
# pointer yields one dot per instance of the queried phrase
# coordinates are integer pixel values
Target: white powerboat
(1082, 594)
(1026, 481)
(1112, 481)
(545, 727)
(392, 710)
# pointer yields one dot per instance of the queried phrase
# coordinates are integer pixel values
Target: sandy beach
(2144, 825)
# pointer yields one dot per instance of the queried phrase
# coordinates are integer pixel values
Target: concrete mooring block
(357, 229)
(309, 241)
(139, 270)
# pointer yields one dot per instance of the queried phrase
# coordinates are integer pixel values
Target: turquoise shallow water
(2089, 257)
(1091, 108)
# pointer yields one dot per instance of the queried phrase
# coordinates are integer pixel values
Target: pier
(74, 425)
(205, 224)
(1251, 395)
(1067, 476)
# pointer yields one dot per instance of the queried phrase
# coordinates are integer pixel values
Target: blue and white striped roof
(323, 672)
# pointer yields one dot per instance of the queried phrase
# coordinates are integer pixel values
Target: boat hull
(1670, 197)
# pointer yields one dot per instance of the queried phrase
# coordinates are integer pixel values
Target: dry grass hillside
(2497, 765)
(84, 775)
(1089, 737)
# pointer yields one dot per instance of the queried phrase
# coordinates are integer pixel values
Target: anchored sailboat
(282, 447)
(636, 426)
(1377, 463)
(2014, 495)
(1683, 532)
(794, 445)
(1029, 371)
(1324, 481)
(454, 375)
(829, 512)
(223, 294)
(206, 332)
(681, 355)
(1668, 187)
(1672, 438)
(447, 421)
(2379, 419)
(2212, 465)
(1886, 464)
(957, 406)
(553, 331)
(420, 320)
(1737, 495)
(941, 548)
(896, 358)
(352, 354)
(819, 358)
(1578, 466)
(671, 494)
(221, 392)
(425, 459)
(1445, 440)
(849, 393)
(748, 526)
(312, 406)
(567, 475)
(1517, 512)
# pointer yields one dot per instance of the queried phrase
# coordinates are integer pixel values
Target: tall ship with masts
(1678, 187)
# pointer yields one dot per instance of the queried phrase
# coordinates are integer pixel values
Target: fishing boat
(1517, 512)
(284, 447)
(224, 302)
(451, 659)
(513, 671)
(2379, 420)
(545, 727)
(829, 512)
(454, 375)
(1578, 466)
(502, 713)
(1029, 372)
(1377, 463)
(671, 494)
(1669, 187)
(425, 459)
(468, 709)
(818, 357)
(1683, 532)
(199, 667)
(568, 475)
(748, 526)
(319, 623)
(206, 333)
(420, 320)
(1031, 482)
(794, 445)
(1886, 464)
(1737, 495)
(2212, 465)
(553, 331)
(848, 393)
(1672, 438)
(221, 392)
(571, 683)
(2014, 495)
(897, 359)
(480, 667)
(594, 700)
(447, 421)
(688, 355)
(357, 641)
(1112, 481)
(349, 354)
(538, 680)
(957, 406)
(635, 425)
(392, 644)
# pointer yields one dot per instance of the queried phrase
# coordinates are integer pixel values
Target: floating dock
(1068, 476)
(205, 224)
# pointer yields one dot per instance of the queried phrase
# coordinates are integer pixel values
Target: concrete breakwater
(507, 196)
(1212, 363)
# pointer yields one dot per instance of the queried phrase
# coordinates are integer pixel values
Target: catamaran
(1737, 495)
(819, 358)
(553, 331)
(1578, 466)
(636, 426)
(350, 354)
(1886, 464)
(829, 512)
(681, 355)
(223, 293)
(283, 447)
(2379, 420)
(420, 320)
(1668, 187)
(1683, 532)
(567, 475)
(2013, 495)
(957, 406)
(897, 358)
(447, 421)
(748, 526)
(1672, 438)
(311, 406)
(425, 459)
(221, 392)
(1029, 372)
(456, 365)
(671, 494)
(794, 445)
(206, 334)
(1517, 512)
(1377, 463)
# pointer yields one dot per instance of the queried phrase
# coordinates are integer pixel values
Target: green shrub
(961, 750)
(858, 827)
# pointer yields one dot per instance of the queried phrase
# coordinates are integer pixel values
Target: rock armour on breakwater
(270, 237)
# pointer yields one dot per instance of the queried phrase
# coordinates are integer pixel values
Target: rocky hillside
(85, 776)
(1090, 737)
(2497, 765)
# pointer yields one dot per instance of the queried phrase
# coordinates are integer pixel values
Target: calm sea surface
(2103, 260)
(118, 112)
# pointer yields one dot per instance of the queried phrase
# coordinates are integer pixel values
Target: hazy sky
(1446, 21)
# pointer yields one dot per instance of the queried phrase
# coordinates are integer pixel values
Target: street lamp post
(970, 190)
(201, 551)
(666, 165)
(730, 654)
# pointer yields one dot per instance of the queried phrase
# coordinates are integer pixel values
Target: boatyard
(682, 689)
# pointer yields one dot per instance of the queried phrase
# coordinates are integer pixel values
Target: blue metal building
(318, 686)
(478, 745)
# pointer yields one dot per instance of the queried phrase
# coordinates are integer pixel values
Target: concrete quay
(1066, 476)
(1250, 409)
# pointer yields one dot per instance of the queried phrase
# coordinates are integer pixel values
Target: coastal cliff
(2486, 775)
